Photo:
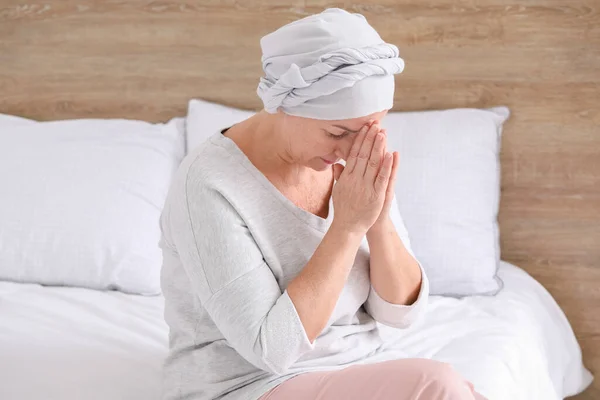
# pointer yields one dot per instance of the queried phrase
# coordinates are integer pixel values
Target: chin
(319, 165)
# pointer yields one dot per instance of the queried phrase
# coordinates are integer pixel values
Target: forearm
(394, 272)
(316, 290)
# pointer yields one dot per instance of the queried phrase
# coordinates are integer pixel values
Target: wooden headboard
(145, 59)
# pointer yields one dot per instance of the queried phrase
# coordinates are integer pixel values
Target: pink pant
(404, 379)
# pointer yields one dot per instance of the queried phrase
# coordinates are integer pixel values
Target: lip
(328, 162)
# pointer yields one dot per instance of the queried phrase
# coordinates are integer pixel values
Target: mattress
(69, 343)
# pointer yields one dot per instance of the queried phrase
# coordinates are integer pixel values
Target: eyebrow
(346, 128)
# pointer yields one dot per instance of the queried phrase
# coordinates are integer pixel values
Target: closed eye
(338, 137)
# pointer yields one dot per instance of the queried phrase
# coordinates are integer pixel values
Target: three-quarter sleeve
(398, 315)
(232, 281)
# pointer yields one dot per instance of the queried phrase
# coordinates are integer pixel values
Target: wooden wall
(145, 59)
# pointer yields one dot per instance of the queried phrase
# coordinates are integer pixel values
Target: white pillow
(80, 202)
(448, 190)
(205, 118)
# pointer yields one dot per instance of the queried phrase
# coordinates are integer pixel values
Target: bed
(72, 343)
(144, 60)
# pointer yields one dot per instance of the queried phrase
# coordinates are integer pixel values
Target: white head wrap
(331, 66)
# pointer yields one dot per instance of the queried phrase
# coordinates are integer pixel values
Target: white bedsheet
(75, 344)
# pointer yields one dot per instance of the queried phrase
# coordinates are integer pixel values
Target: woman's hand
(360, 192)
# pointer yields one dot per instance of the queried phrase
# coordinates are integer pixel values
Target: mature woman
(279, 262)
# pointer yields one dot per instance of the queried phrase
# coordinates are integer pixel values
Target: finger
(365, 150)
(377, 156)
(383, 151)
(389, 195)
(358, 141)
(337, 171)
(383, 176)
(393, 174)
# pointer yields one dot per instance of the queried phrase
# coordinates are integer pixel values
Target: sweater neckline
(313, 220)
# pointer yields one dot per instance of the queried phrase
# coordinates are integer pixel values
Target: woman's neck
(267, 148)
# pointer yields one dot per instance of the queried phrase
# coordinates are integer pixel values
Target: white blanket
(72, 344)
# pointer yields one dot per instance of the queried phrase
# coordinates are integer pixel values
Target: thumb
(337, 171)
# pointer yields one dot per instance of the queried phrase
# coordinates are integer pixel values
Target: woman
(279, 262)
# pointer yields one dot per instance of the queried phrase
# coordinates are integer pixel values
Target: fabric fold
(322, 55)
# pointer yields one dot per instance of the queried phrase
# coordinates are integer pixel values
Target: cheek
(322, 146)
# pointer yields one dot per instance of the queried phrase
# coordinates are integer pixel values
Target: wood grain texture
(146, 59)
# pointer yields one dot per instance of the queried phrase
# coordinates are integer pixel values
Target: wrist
(381, 226)
(352, 233)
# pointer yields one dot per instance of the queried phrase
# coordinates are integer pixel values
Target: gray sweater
(231, 244)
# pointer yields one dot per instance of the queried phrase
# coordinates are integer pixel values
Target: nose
(343, 149)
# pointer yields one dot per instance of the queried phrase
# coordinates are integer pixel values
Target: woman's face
(318, 144)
